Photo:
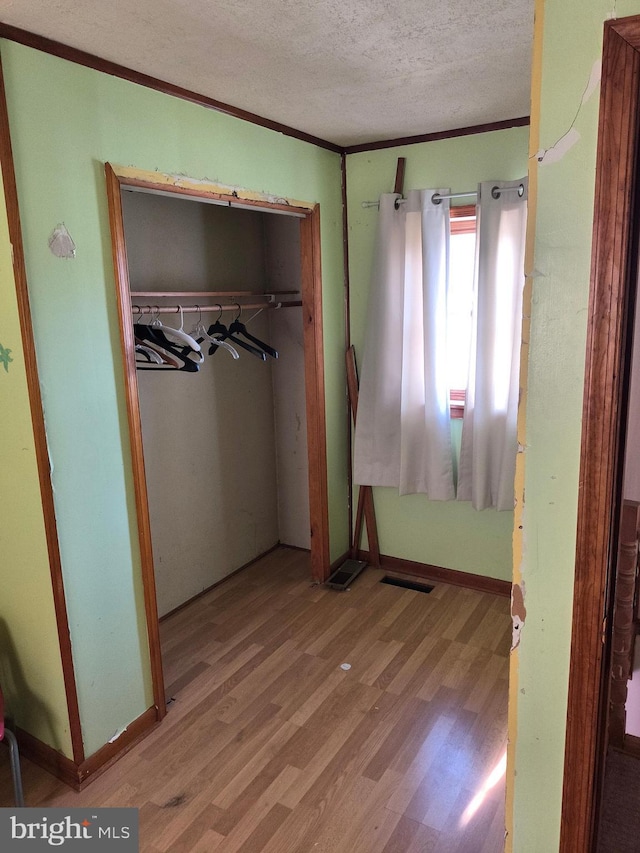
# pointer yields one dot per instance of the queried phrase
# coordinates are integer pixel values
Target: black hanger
(155, 338)
(241, 329)
(221, 331)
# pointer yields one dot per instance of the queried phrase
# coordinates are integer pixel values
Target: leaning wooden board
(366, 510)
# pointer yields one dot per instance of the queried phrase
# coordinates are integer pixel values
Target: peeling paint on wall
(518, 614)
(212, 186)
(557, 151)
(61, 242)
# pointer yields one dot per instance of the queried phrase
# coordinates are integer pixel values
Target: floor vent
(405, 584)
(345, 574)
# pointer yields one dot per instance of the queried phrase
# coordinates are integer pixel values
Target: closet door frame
(311, 293)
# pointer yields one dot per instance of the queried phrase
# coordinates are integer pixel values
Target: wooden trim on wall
(482, 583)
(347, 339)
(631, 745)
(315, 393)
(523, 121)
(121, 268)
(613, 276)
(79, 774)
(88, 60)
(39, 432)
(191, 190)
(623, 625)
(48, 758)
(108, 754)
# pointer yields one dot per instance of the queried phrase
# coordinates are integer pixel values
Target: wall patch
(556, 152)
(61, 242)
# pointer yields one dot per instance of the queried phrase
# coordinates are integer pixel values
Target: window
(459, 302)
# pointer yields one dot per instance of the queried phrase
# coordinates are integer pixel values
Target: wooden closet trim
(121, 270)
(118, 177)
(39, 432)
(612, 294)
(315, 394)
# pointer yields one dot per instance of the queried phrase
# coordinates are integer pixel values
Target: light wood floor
(270, 747)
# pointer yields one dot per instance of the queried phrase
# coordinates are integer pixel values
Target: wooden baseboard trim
(78, 776)
(293, 547)
(48, 758)
(437, 573)
(101, 760)
(631, 745)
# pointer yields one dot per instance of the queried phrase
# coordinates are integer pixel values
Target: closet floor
(270, 746)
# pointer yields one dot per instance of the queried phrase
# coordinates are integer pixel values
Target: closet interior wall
(225, 448)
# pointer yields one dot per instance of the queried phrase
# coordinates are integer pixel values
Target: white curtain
(402, 433)
(489, 445)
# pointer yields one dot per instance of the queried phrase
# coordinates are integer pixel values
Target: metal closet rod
(436, 198)
(192, 309)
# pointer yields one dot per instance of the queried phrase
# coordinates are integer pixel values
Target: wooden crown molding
(523, 121)
(81, 57)
(89, 60)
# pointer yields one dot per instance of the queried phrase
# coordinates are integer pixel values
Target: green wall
(571, 44)
(30, 664)
(66, 121)
(448, 534)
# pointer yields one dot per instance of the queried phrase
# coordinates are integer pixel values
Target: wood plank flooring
(270, 746)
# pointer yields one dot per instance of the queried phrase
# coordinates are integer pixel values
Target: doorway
(123, 180)
(611, 310)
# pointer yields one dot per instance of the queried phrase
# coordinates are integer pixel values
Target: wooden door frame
(611, 308)
(311, 294)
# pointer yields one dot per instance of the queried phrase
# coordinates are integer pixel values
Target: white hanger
(217, 342)
(200, 331)
(153, 355)
(179, 334)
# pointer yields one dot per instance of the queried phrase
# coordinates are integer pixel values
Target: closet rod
(191, 309)
(224, 294)
(436, 198)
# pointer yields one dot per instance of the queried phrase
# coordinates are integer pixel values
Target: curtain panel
(486, 470)
(402, 435)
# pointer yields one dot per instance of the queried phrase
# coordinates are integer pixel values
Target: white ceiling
(347, 71)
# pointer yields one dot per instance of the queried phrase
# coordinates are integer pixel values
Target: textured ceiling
(348, 71)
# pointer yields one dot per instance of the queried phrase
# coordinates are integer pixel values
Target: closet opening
(227, 438)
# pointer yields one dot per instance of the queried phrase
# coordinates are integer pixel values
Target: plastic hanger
(240, 328)
(155, 358)
(179, 335)
(221, 332)
(200, 334)
(180, 357)
(152, 355)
